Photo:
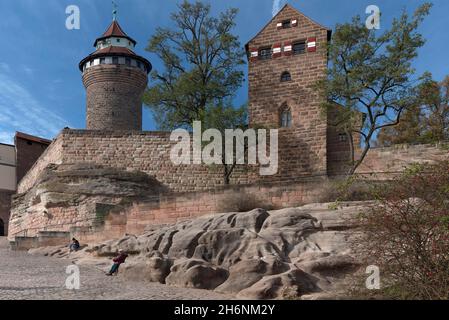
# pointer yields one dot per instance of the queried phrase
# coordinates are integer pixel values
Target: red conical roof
(114, 30)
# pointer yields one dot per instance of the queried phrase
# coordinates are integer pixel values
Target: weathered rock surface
(290, 253)
(77, 195)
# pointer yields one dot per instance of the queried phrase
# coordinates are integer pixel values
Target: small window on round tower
(286, 76)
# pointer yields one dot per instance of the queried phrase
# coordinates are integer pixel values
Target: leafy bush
(407, 234)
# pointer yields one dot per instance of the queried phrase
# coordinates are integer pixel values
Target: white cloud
(20, 111)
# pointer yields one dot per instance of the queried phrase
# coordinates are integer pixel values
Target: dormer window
(286, 24)
(286, 76)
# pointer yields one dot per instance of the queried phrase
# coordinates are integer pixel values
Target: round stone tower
(115, 79)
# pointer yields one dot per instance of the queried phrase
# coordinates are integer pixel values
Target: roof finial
(114, 11)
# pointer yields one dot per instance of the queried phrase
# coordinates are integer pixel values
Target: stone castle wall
(148, 152)
(386, 162)
(52, 155)
(87, 223)
(27, 153)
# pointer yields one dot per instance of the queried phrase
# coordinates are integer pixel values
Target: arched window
(286, 76)
(286, 118)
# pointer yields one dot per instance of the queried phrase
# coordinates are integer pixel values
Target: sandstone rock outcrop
(77, 195)
(289, 253)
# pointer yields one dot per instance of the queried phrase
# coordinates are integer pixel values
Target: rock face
(290, 253)
(78, 195)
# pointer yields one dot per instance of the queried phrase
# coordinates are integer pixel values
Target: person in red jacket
(121, 258)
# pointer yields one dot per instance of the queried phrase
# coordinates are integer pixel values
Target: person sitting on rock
(75, 245)
(121, 258)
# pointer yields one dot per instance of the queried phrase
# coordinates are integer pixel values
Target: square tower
(286, 58)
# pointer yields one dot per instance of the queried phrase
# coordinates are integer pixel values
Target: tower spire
(114, 11)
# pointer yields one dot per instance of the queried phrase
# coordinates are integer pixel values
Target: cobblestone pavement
(27, 277)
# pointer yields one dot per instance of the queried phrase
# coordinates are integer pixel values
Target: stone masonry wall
(170, 208)
(27, 153)
(52, 155)
(91, 226)
(148, 152)
(303, 147)
(114, 97)
(388, 161)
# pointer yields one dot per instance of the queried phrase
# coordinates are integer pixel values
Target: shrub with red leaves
(407, 234)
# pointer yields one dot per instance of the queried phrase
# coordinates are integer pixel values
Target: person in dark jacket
(75, 245)
(121, 258)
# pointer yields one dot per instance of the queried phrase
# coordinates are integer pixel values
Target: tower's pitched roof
(115, 30)
(117, 50)
(288, 7)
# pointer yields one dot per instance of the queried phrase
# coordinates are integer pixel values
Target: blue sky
(40, 85)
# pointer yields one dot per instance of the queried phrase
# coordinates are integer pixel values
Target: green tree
(408, 131)
(202, 60)
(372, 73)
(225, 117)
(427, 122)
(435, 101)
